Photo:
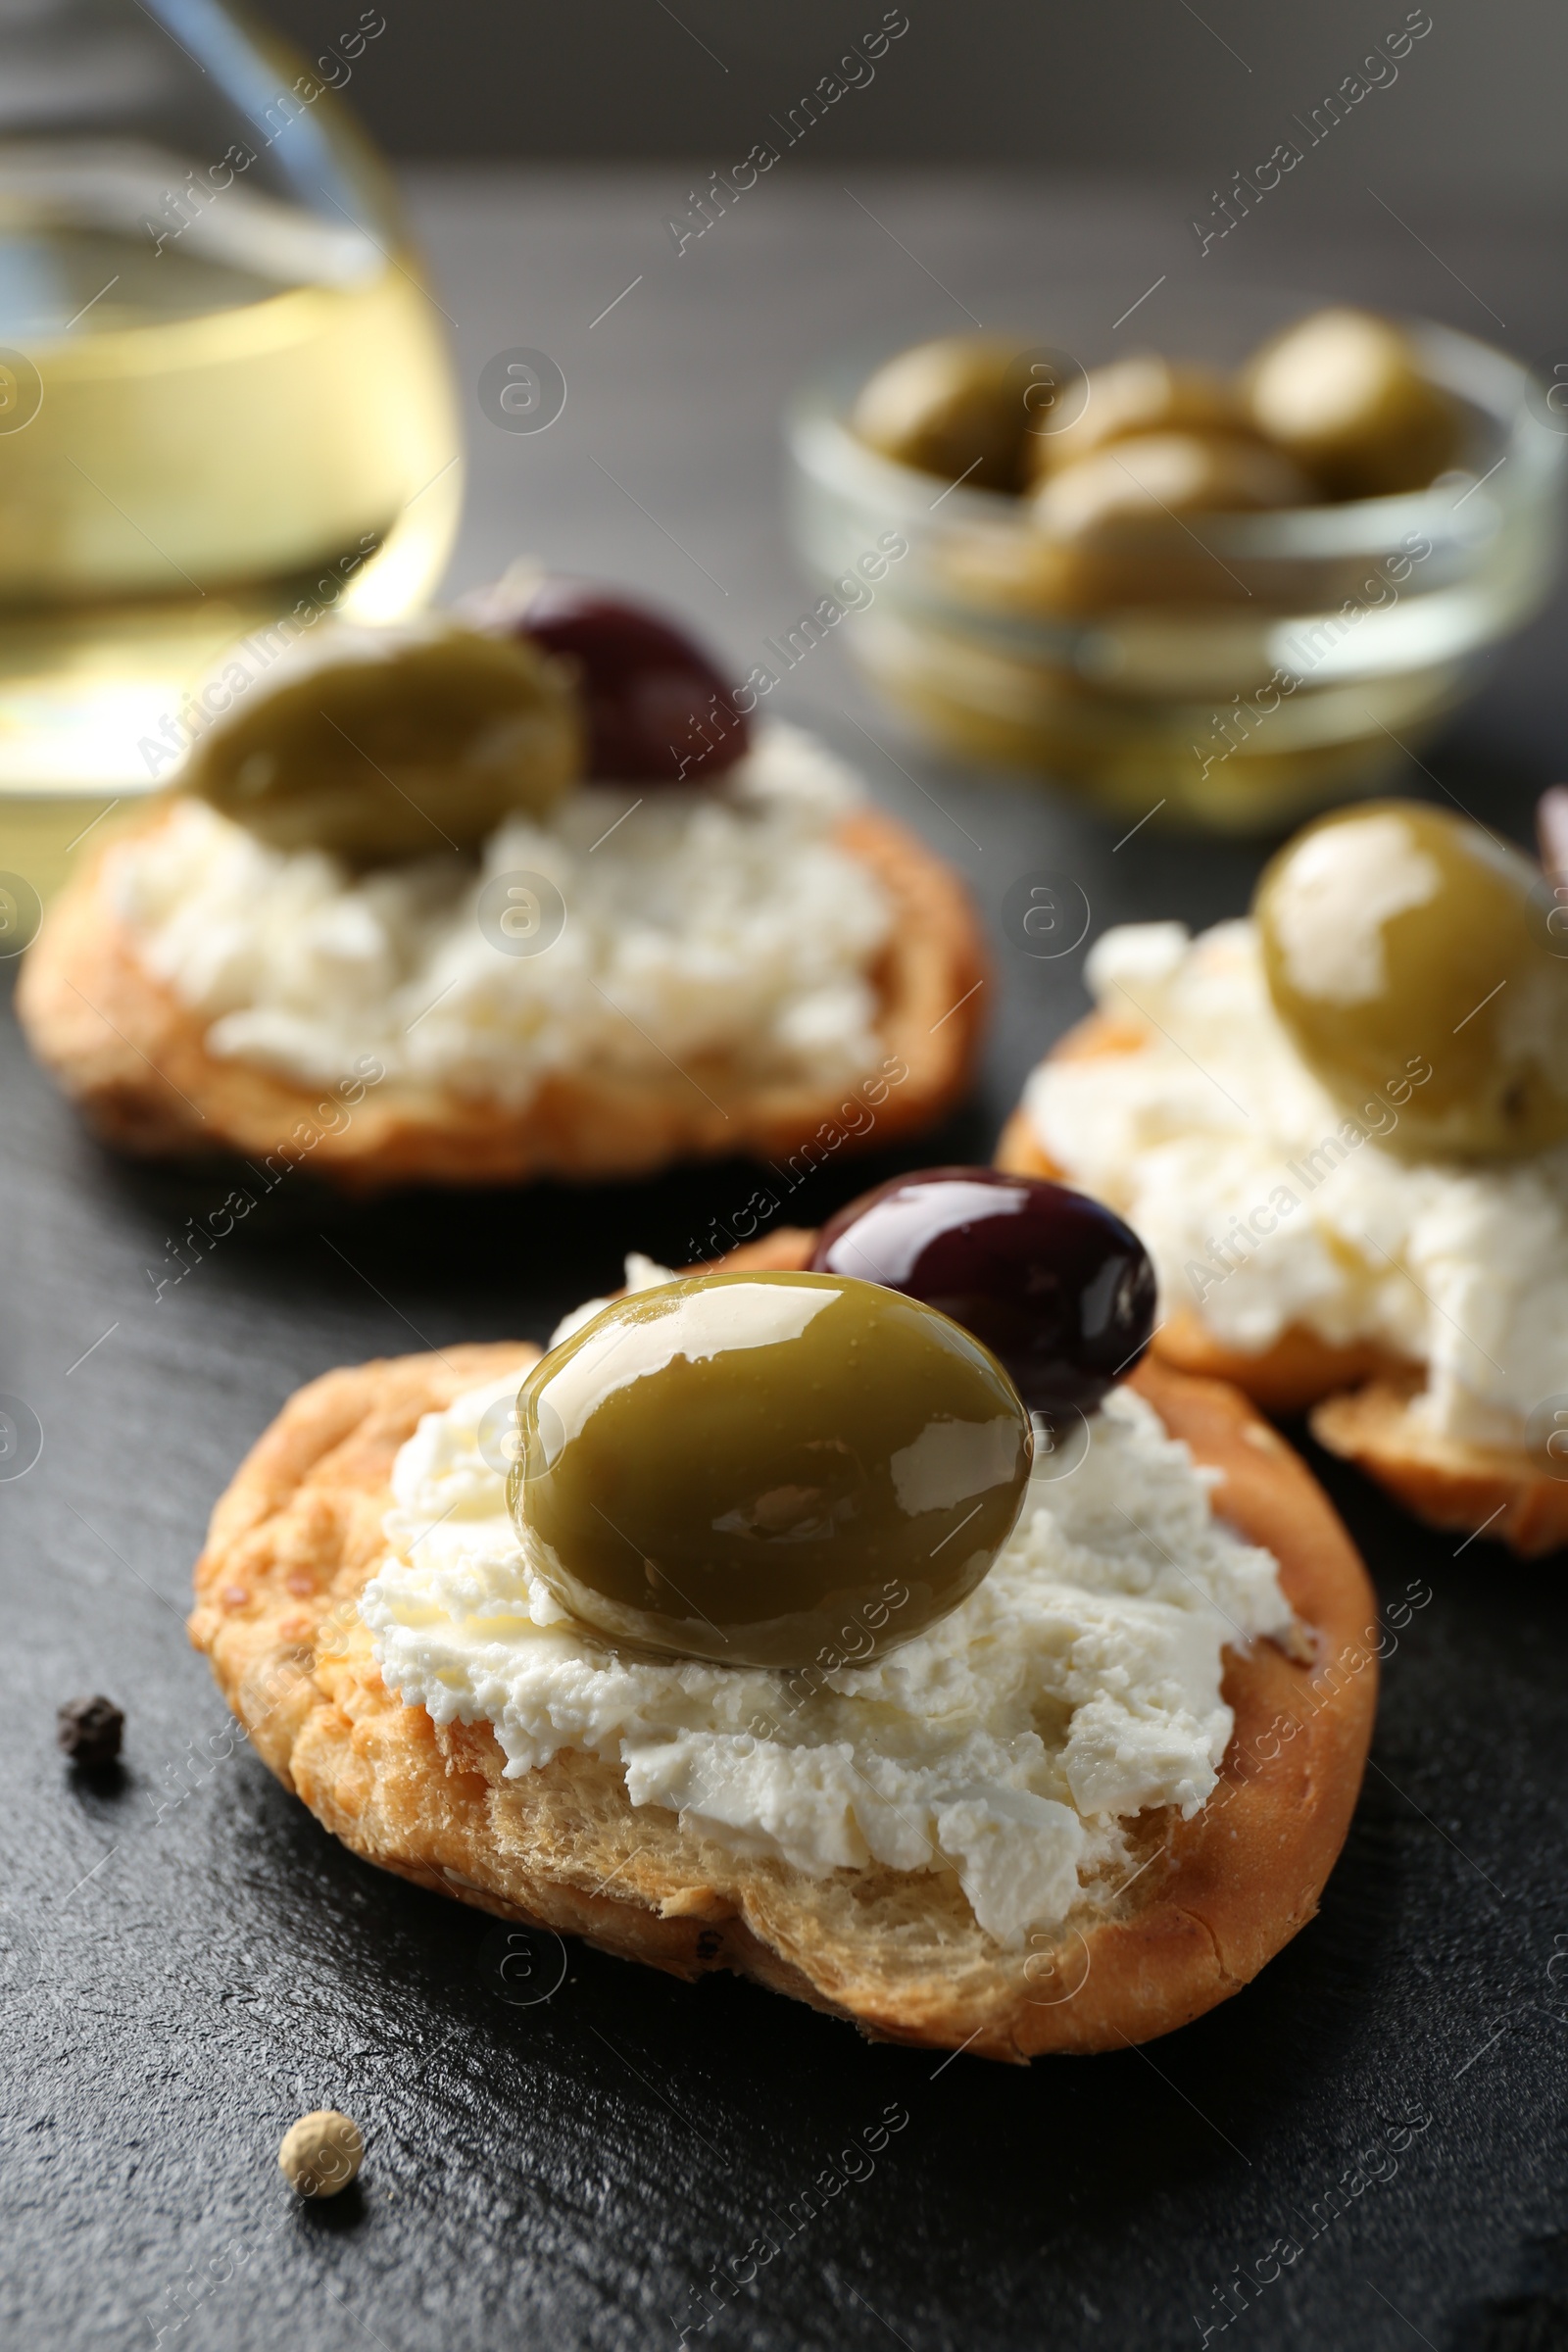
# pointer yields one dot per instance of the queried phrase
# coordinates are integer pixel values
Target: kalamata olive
(1145, 394)
(391, 742)
(1053, 1283)
(1406, 956)
(766, 1469)
(657, 710)
(1344, 393)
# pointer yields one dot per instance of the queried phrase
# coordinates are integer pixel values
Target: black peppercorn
(89, 1730)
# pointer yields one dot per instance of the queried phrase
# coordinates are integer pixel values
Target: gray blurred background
(1148, 87)
(996, 151)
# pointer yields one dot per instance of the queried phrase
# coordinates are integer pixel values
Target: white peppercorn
(322, 2153)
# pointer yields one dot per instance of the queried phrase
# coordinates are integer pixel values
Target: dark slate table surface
(1371, 2137)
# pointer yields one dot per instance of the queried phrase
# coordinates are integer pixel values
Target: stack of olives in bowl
(1108, 462)
(1212, 573)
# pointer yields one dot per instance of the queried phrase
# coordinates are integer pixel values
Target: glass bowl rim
(1532, 464)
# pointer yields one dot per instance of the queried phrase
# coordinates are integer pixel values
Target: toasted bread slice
(1448, 1483)
(133, 1057)
(1357, 1399)
(298, 1535)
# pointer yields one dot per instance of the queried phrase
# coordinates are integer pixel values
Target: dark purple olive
(657, 710)
(1053, 1283)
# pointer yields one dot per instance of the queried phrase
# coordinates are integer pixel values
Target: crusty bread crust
(298, 1535)
(1357, 1399)
(133, 1057)
(1445, 1481)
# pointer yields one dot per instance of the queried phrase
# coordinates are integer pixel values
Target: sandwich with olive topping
(518, 892)
(860, 1615)
(1341, 1127)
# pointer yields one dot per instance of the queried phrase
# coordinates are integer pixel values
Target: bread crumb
(695, 1902)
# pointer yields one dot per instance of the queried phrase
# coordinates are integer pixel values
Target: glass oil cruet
(226, 402)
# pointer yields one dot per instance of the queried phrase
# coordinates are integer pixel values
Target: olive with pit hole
(735, 1466)
(1055, 1285)
(1344, 393)
(394, 742)
(956, 408)
(657, 710)
(1405, 955)
(1131, 397)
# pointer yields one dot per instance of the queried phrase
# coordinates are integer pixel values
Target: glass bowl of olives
(1222, 573)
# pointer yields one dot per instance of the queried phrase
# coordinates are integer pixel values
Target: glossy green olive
(767, 1469)
(1145, 394)
(1344, 393)
(1146, 480)
(397, 742)
(1109, 529)
(955, 408)
(1406, 953)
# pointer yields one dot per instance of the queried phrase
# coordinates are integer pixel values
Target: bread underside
(133, 1057)
(1359, 1400)
(298, 1534)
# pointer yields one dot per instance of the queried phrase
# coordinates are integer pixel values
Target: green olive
(1109, 529)
(379, 743)
(1406, 953)
(1141, 395)
(767, 1469)
(1122, 489)
(1344, 393)
(955, 408)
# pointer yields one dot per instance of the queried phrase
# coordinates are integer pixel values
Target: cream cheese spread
(1009, 1744)
(1263, 1207)
(721, 921)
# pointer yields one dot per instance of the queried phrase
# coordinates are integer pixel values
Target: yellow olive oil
(209, 427)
